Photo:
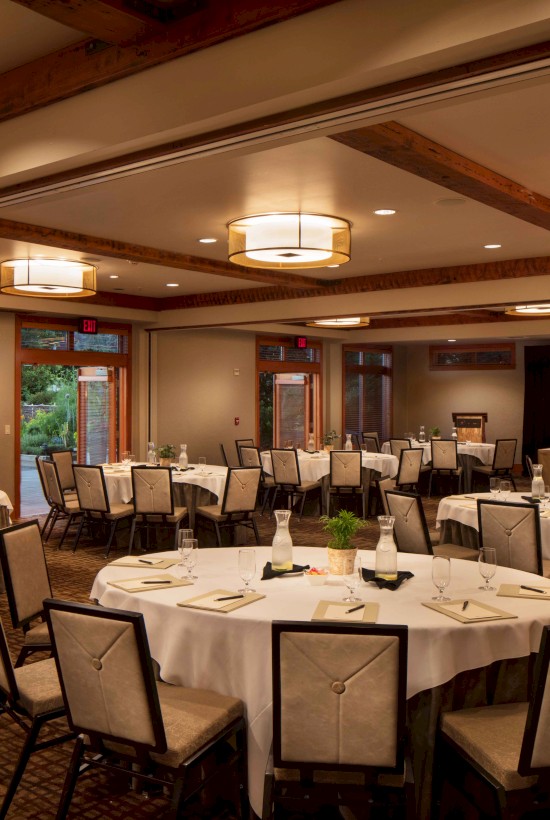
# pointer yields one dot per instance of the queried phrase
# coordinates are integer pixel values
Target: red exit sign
(301, 342)
(87, 325)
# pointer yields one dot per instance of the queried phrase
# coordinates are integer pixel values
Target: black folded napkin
(530, 499)
(269, 572)
(368, 575)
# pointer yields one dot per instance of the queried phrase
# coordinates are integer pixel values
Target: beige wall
(7, 404)
(198, 394)
(429, 397)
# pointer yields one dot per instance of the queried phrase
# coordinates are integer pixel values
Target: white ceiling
(505, 129)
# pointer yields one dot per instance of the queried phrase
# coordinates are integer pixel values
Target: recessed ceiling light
(451, 340)
(208, 240)
(385, 212)
(351, 321)
(113, 276)
(492, 247)
(333, 266)
(172, 285)
(529, 310)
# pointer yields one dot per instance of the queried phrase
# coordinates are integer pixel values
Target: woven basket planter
(340, 562)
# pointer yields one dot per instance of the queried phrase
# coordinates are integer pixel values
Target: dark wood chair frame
(148, 522)
(348, 491)
(418, 500)
(290, 490)
(234, 519)
(146, 771)
(243, 442)
(446, 472)
(224, 455)
(499, 472)
(414, 484)
(318, 794)
(489, 502)
(21, 623)
(365, 436)
(100, 516)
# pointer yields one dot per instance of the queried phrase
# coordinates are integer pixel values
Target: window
(367, 390)
(473, 357)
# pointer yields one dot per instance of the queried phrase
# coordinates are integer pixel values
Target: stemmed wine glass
(487, 563)
(190, 549)
(183, 535)
(504, 489)
(441, 576)
(352, 578)
(247, 568)
(494, 486)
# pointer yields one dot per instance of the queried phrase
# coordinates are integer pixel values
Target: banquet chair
(445, 463)
(286, 474)
(130, 723)
(371, 444)
(242, 442)
(154, 507)
(398, 444)
(53, 512)
(224, 455)
(346, 478)
(529, 465)
(370, 435)
(498, 757)
(64, 461)
(411, 530)
(338, 718)
(382, 485)
(31, 696)
(238, 505)
(94, 503)
(410, 467)
(250, 457)
(27, 584)
(514, 531)
(64, 507)
(502, 466)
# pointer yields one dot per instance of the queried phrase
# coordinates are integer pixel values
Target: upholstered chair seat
(64, 507)
(445, 463)
(238, 504)
(154, 503)
(288, 483)
(502, 466)
(346, 478)
(94, 502)
(176, 518)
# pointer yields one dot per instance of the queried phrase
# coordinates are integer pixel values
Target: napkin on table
(269, 572)
(368, 575)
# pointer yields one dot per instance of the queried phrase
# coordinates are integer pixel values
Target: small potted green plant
(166, 454)
(342, 528)
(329, 439)
(435, 432)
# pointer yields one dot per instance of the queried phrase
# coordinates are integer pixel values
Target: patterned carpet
(71, 577)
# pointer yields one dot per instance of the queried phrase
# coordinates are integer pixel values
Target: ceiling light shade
(529, 310)
(48, 278)
(289, 240)
(347, 322)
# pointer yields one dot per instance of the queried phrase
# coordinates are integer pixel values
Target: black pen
(229, 598)
(465, 605)
(156, 582)
(354, 609)
(143, 561)
(533, 589)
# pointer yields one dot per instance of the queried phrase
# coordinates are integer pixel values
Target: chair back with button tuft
(514, 531)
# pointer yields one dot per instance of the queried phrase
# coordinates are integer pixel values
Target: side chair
(338, 718)
(498, 757)
(31, 696)
(153, 494)
(27, 584)
(130, 723)
(502, 466)
(411, 530)
(65, 507)
(286, 473)
(346, 479)
(514, 531)
(250, 457)
(238, 505)
(63, 459)
(94, 503)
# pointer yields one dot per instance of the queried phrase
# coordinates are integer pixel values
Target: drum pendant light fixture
(288, 241)
(50, 278)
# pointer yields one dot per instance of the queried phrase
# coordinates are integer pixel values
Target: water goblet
(352, 578)
(190, 549)
(183, 535)
(487, 563)
(504, 489)
(494, 486)
(441, 576)
(131, 458)
(247, 568)
(202, 464)
(126, 457)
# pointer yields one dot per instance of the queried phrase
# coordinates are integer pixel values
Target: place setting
(226, 600)
(351, 609)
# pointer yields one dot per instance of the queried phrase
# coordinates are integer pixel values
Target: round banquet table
(315, 466)
(231, 652)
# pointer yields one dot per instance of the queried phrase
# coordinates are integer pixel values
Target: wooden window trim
(359, 368)
(508, 347)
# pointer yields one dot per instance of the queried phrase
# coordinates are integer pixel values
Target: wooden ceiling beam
(105, 21)
(92, 63)
(397, 145)
(428, 277)
(91, 245)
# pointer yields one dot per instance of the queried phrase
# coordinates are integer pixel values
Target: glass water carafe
(151, 454)
(311, 443)
(454, 434)
(281, 551)
(183, 460)
(421, 435)
(386, 552)
(349, 443)
(537, 486)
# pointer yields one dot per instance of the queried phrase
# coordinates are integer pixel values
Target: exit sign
(87, 325)
(301, 342)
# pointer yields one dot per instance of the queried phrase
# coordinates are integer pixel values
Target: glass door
(97, 402)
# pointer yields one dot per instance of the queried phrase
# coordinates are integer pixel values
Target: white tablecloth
(426, 447)
(465, 512)
(317, 466)
(231, 652)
